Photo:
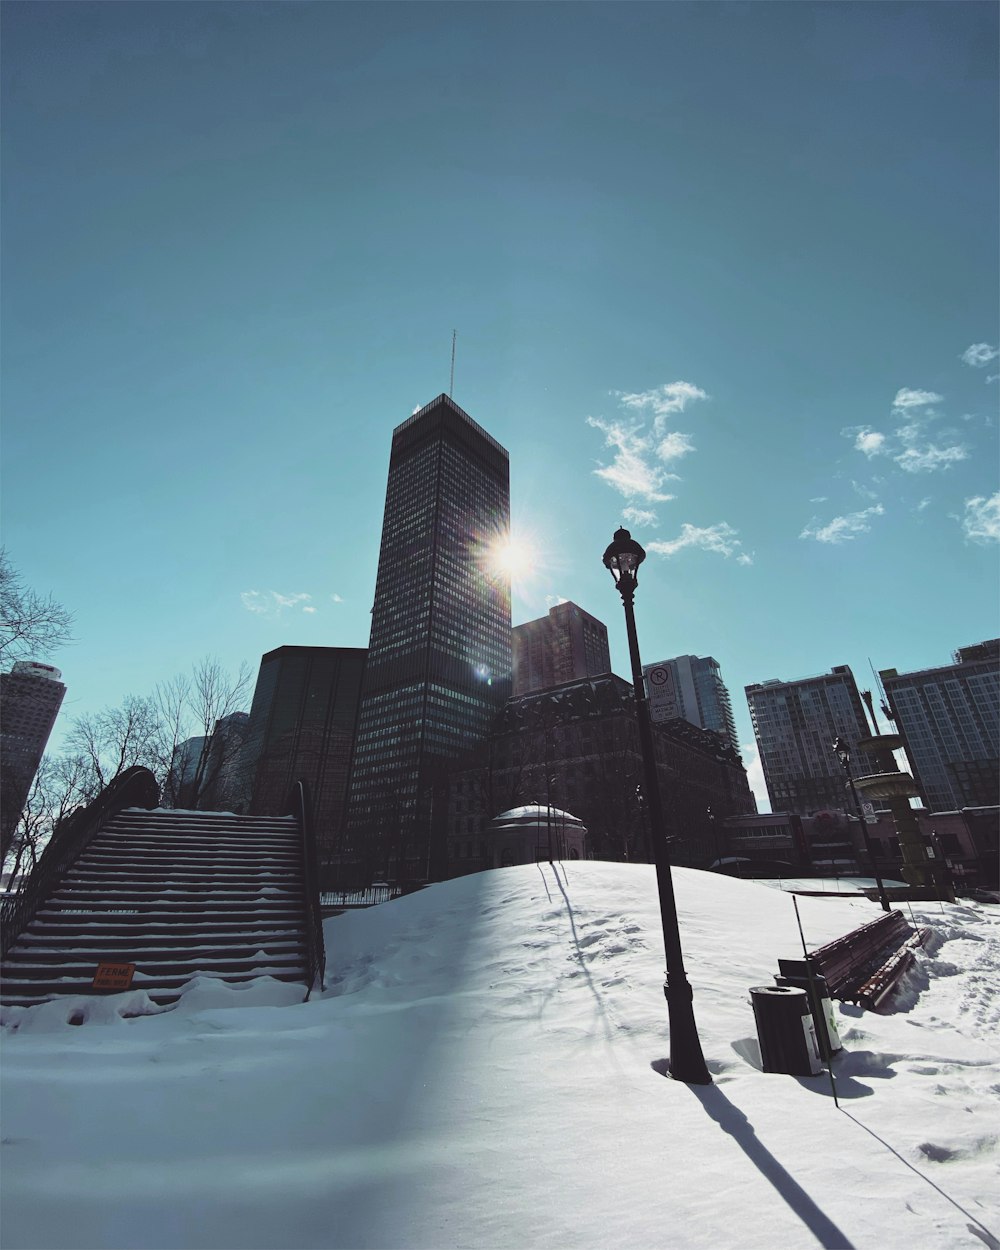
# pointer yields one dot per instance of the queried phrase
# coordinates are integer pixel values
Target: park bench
(865, 965)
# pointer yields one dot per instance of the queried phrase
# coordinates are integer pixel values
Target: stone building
(575, 747)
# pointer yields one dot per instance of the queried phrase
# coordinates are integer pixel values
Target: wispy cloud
(674, 445)
(337, 598)
(640, 516)
(842, 528)
(643, 445)
(633, 472)
(979, 354)
(870, 442)
(819, 499)
(552, 601)
(924, 503)
(662, 401)
(720, 538)
(930, 458)
(273, 603)
(981, 522)
(908, 445)
(907, 399)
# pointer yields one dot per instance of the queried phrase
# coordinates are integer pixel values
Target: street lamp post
(843, 752)
(687, 1063)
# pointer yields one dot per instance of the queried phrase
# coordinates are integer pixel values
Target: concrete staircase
(178, 894)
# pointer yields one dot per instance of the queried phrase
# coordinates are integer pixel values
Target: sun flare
(513, 558)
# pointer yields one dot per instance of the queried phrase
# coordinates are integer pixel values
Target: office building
(795, 724)
(949, 720)
(202, 769)
(30, 697)
(691, 687)
(567, 645)
(439, 659)
(302, 724)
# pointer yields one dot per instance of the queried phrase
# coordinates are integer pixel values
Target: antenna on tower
(451, 385)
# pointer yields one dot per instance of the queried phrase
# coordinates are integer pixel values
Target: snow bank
(482, 1070)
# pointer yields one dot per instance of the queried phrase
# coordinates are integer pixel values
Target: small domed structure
(527, 835)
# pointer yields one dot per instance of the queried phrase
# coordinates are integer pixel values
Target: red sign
(111, 976)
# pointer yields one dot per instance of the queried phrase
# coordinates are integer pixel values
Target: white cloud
(865, 492)
(552, 601)
(674, 445)
(720, 538)
(336, 598)
(662, 401)
(979, 354)
(906, 398)
(843, 528)
(870, 442)
(631, 473)
(925, 502)
(640, 516)
(744, 558)
(819, 499)
(982, 519)
(930, 458)
(273, 603)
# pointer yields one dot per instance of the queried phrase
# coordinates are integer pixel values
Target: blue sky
(721, 265)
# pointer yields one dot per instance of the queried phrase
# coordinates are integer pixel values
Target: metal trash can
(823, 1014)
(785, 1030)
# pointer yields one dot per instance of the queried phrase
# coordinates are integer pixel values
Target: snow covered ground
(482, 1072)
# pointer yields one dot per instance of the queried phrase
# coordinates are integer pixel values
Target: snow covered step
(179, 895)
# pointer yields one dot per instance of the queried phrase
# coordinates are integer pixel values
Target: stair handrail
(298, 805)
(135, 787)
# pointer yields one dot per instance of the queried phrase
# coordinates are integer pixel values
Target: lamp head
(623, 557)
(843, 751)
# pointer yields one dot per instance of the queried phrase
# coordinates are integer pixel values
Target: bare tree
(108, 742)
(55, 792)
(31, 624)
(194, 708)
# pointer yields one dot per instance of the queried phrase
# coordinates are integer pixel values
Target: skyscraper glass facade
(439, 659)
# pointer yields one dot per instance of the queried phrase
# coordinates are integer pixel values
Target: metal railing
(135, 787)
(297, 805)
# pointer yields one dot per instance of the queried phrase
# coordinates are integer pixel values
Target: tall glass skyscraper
(439, 658)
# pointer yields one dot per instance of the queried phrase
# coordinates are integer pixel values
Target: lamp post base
(687, 1063)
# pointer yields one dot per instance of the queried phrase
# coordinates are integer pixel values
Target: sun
(512, 558)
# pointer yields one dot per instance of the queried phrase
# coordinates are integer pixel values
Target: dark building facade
(202, 770)
(302, 724)
(30, 697)
(795, 724)
(439, 659)
(567, 645)
(949, 720)
(576, 748)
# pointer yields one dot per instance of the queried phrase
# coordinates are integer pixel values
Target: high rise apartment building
(567, 645)
(949, 720)
(439, 659)
(30, 697)
(302, 722)
(691, 687)
(795, 724)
